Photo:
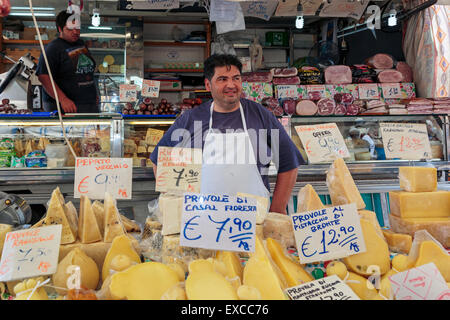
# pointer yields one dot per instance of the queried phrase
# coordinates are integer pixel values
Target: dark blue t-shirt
(190, 129)
(73, 69)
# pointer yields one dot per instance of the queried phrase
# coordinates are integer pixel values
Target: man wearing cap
(72, 68)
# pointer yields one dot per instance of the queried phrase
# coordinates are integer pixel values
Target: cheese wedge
(262, 206)
(377, 253)
(417, 179)
(439, 228)
(341, 186)
(72, 216)
(55, 215)
(398, 242)
(88, 230)
(279, 227)
(234, 269)
(429, 251)
(113, 223)
(4, 229)
(130, 225)
(372, 218)
(99, 212)
(308, 199)
(171, 207)
(420, 204)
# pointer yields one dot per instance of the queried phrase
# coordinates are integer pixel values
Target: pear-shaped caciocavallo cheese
(376, 255)
(233, 266)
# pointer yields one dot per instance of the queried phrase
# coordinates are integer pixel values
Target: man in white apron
(230, 161)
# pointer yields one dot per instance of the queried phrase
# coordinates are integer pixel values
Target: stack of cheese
(420, 206)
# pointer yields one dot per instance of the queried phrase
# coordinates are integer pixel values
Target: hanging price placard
(128, 93)
(328, 234)
(178, 169)
(218, 222)
(322, 142)
(368, 91)
(150, 88)
(408, 141)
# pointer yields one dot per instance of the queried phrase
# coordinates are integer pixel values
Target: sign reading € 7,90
(218, 222)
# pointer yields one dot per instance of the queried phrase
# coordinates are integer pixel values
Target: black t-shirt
(72, 68)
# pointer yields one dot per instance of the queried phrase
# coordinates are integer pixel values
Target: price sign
(150, 88)
(218, 222)
(286, 124)
(407, 141)
(391, 90)
(328, 234)
(178, 169)
(30, 253)
(421, 283)
(368, 91)
(328, 288)
(322, 142)
(153, 136)
(287, 91)
(95, 176)
(128, 93)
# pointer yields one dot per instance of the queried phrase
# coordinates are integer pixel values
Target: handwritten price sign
(287, 91)
(150, 88)
(329, 288)
(218, 222)
(178, 169)
(328, 234)
(391, 90)
(407, 141)
(30, 253)
(368, 91)
(322, 142)
(95, 176)
(128, 93)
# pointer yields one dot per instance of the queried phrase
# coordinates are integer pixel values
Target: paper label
(287, 91)
(328, 288)
(178, 169)
(153, 136)
(30, 253)
(421, 283)
(322, 142)
(128, 93)
(343, 9)
(259, 9)
(408, 141)
(368, 91)
(150, 88)
(218, 222)
(391, 91)
(328, 234)
(95, 176)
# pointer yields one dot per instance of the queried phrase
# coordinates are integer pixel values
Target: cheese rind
(341, 185)
(439, 228)
(279, 227)
(420, 204)
(308, 199)
(417, 179)
(398, 242)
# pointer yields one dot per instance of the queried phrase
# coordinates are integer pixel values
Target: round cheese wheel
(109, 59)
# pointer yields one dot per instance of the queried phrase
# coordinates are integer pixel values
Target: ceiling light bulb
(392, 21)
(95, 17)
(299, 22)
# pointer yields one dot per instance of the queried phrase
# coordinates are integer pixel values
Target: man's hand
(68, 106)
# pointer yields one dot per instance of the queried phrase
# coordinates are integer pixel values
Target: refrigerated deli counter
(117, 135)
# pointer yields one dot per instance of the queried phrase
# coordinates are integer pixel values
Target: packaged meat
(381, 61)
(338, 97)
(347, 98)
(286, 80)
(340, 109)
(284, 72)
(420, 101)
(352, 110)
(326, 106)
(390, 76)
(306, 108)
(289, 105)
(270, 102)
(310, 75)
(361, 104)
(405, 70)
(338, 74)
(377, 110)
(362, 73)
(314, 95)
(371, 104)
(259, 76)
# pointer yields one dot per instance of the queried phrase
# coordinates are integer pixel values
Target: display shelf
(172, 70)
(107, 50)
(27, 42)
(174, 44)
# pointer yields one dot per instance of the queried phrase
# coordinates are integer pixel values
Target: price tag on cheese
(218, 222)
(153, 136)
(328, 234)
(422, 283)
(128, 93)
(408, 141)
(150, 88)
(178, 169)
(30, 253)
(95, 176)
(328, 288)
(322, 142)
(391, 90)
(368, 91)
